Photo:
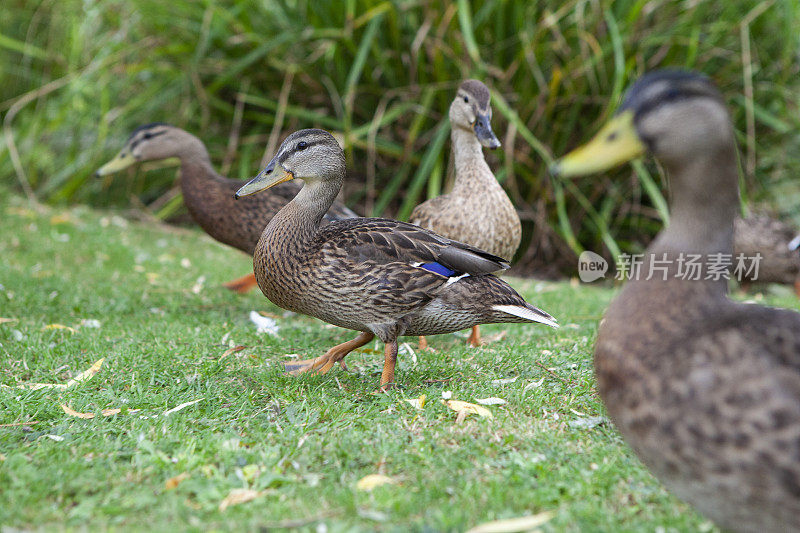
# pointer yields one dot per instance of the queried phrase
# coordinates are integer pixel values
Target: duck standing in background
(208, 196)
(477, 211)
(705, 390)
(377, 276)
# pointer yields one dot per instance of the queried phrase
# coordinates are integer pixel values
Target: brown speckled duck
(208, 196)
(778, 244)
(378, 276)
(705, 390)
(477, 211)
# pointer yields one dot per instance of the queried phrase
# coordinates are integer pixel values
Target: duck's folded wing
(383, 240)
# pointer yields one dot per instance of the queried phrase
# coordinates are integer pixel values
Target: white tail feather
(527, 314)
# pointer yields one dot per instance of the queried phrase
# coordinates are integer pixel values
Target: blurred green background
(78, 76)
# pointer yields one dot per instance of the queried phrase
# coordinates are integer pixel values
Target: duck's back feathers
(383, 240)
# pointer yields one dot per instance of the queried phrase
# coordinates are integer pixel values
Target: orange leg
(323, 363)
(423, 343)
(389, 362)
(797, 287)
(243, 284)
(475, 337)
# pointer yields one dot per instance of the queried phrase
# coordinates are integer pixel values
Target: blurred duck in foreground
(208, 196)
(705, 390)
(477, 211)
(378, 276)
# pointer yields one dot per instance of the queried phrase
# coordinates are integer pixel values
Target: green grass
(78, 76)
(305, 442)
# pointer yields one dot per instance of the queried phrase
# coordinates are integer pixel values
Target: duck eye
(302, 145)
(612, 137)
(466, 99)
(147, 135)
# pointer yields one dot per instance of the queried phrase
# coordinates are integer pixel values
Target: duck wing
(380, 240)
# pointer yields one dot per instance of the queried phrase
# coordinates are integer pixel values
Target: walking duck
(377, 276)
(208, 196)
(778, 244)
(705, 390)
(477, 211)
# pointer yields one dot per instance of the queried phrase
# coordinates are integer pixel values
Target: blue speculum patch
(438, 269)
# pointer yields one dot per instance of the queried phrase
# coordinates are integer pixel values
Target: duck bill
(483, 131)
(616, 143)
(123, 160)
(272, 175)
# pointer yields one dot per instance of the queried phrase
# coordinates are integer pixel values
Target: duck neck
(703, 205)
(195, 163)
(470, 165)
(302, 216)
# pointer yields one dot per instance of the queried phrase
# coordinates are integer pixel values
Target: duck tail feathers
(528, 312)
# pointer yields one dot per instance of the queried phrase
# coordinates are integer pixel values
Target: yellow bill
(123, 160)
(616, 143)
(272, 175)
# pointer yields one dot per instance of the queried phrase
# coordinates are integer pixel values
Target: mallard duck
(705, 390)
(207, 195)
(378, 276)
(477, 211)
(778, 244)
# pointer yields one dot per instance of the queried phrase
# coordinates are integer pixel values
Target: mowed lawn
(148, 299)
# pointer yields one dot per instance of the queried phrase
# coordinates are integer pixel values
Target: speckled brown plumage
(208, 196)
(760, 233)
(369, 274)
(477, 211)
(705, 390)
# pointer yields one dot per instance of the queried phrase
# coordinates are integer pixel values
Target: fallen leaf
(406, 349)
(264, 324)
(238, 496)
(467, 408)
(182, 406)
(21, 212)
(87, 374)
(5, 320)
(57, 438)
(513, 525)
(416, 403)
(587, 422)
(372, 514)
(90, 323)
(504, 381)
(371, 351)
(173, 482)
(63, 218)
(534, 384)
(198, 286)
(67, 409)
(372, 481)
(447, 394)
(229, 351)
(30, 423)
(60, 326)
(105, 412)
(496, 337)
(491, 401)
(83, 376)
